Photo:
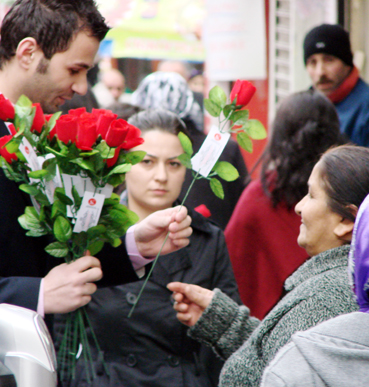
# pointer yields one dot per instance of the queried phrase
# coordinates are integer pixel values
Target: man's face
(57, 79)
(327, 72)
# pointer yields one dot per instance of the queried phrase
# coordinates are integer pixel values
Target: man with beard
(46, 49)
(329, 63)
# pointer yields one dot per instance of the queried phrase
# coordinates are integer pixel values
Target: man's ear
(344, 229)
(26, 52)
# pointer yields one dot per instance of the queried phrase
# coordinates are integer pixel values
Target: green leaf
(120, 169)
(52, 120)
(36, 233)
(105, 150)
(30, 189)
(94, 232)
(57, 249)
(185, 159)
(62, 229)
(135, 157)
(42, 199)
(58, 208)
(90, 153)
(186, 143)
(51, 150)
(85, 164)
(240, 117)
(114, 199)
(227, 110)
(13, 145)
(38, 174)
(80, 239)
(24, 101)
(213, 109)
(244, 141)
(76, 197)
(30, 220)
(64, 198)
(95, 247)
(226, 171)
(218, 96)
(256, 130)
(116, 180)
(217, 188)
(116, 242)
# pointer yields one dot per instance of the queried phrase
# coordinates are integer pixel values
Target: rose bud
(243, 91)
(203, 210)
(66, 128)
(9, 157)
(103, 122)
(11, 128)
(117, 132)
(133, 138)
(86, 134)
(77, 112)
(7, 111)
(38, 119)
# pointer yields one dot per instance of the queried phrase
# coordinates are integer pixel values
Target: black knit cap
(329, 39)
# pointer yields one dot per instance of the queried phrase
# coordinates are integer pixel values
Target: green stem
(157, 256)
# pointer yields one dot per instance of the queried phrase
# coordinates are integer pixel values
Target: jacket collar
(345, 88)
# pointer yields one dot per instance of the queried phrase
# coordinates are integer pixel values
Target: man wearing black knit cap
(328, 60)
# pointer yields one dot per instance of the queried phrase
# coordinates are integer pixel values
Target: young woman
(152, 348)
(317, 291)
(262, 233)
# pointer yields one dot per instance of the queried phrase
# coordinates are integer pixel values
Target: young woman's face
(318, 221)
(156, 182)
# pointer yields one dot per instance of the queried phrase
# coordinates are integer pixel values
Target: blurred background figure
(175, 66)
(152, 347)
(262, 233)
(170, 91)
(196, 81)
(111, 88)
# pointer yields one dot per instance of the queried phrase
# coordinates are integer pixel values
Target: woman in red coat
(262, 233)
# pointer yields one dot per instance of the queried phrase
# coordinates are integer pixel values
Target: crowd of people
(268, 287)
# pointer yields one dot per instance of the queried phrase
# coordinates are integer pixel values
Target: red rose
(203, 210)
(86, 135)
(3, 151)
(117, 133)
(103, 122)
(67, 128)
(113, 160)
(7, 111)
(243, 91)
(133, 138)
(77, 112)
(38, 119)
(98, 112)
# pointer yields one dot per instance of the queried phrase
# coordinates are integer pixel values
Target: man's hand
(150, 233)
(69, 286)
(190, 301)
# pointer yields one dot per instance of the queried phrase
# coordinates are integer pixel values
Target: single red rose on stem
(103, 122)
(133, 138)
(86, 134)
(38, 119)
(117, 133)
(243, 91)
(7, 111)
(9, 157)
(67, 128)
(203, 210)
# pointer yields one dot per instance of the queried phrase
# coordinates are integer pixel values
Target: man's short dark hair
(52, 23)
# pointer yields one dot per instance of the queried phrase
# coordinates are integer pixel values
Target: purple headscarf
(359, 257)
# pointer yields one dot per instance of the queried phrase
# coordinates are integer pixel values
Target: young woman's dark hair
(345, 173)
(305, 126)
(52, 23)
(159, 119)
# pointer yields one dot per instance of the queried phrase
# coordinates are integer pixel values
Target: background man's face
(327, 72)
(57, 79)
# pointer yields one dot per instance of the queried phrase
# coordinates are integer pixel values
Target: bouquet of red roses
(69, 165)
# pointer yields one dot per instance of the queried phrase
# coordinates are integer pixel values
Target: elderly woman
(317, 291)
(334, 353)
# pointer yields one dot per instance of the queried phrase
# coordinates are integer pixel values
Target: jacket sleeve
(224, 325)
(20, 291)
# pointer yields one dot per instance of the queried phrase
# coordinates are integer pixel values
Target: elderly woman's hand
(190, 301)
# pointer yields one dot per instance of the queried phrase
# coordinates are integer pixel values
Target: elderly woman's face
(318, 221)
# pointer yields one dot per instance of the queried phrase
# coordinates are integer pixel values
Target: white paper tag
(210, 151)
(89, 213)
(70, 181)
(29, 153)
(52, 184)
